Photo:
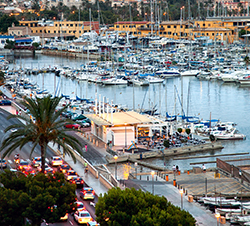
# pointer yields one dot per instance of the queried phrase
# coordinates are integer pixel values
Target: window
(139, 33)
(202, 34)
(123, 26)
(54, 31)
(225, 33)
(117, 26)
(169, 26)
(76, 25)
(212, 34)
(164, 32)
(56, 25)
(209, 25)
(169, 33)
(174, 26)
(160, 33)
(41, 31)
(80, 31)
(204, 25)
(67, 25)
(207, 34)
(71, 25)
(135, 33)
(48, 31)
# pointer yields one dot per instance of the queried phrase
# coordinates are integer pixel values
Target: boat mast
(151, 18)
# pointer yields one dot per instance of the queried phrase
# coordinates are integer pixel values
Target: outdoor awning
(120, 118)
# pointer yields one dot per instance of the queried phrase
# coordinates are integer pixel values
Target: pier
(171, 152)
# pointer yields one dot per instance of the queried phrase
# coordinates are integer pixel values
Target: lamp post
(125, 135)
(217, 215)
(116, 157)
(181, 192)
(153, 173)
(136, 170)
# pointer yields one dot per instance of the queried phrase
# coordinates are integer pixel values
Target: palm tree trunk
(43, 157)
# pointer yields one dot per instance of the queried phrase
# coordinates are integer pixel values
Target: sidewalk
(203, 216)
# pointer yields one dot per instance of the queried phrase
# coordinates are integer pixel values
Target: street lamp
(181, 192)
(116, 157)
(136, 170)
(153, 173)
(125, 135)
(217, 215)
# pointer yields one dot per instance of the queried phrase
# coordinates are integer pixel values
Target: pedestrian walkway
(203, 216)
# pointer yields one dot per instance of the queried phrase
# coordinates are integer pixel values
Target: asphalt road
(25, 155)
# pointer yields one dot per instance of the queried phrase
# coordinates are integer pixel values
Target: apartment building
(60, 28)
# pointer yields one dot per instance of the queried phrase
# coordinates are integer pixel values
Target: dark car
(78, 181)
(5, 102)
(67, 114)
(64, 168)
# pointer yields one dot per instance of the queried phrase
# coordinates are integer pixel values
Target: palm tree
(43, 126)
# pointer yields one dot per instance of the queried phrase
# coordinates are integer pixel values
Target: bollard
(186, 192)
(155, 178)
(166, 177)
(174, 182)
(140, 177)
(179, 172)
(188, 172)
(147, 178)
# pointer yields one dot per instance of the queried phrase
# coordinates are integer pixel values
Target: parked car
(87, 193)
(5, 102)
(56, 161)
(82, 217)
(3, 163)
(72, 126)
(28, 170)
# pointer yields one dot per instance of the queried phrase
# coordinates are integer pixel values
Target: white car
(56, 161)
(82, 217)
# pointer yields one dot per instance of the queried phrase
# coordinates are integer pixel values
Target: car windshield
(23, 163)
(2, 160)
(84, 215)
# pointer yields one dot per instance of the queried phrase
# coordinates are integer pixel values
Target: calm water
(227, 102)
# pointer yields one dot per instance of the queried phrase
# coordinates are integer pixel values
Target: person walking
(204, 168)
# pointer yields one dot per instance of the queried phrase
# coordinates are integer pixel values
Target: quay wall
(167, 152)
(92, 56)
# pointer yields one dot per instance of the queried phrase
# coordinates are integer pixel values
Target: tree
(44, 126)
(132, 207)
(166, 143)
(7, 21)
(246, 60)
(40, 197)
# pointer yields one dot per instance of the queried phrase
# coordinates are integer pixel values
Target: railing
(234, 171)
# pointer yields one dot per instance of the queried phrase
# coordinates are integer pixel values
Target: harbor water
(227, 102)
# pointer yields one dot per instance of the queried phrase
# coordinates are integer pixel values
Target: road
(25, 155)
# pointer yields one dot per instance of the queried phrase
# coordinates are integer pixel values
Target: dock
(168, 152)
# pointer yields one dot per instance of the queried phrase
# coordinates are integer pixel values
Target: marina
(190, 95)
